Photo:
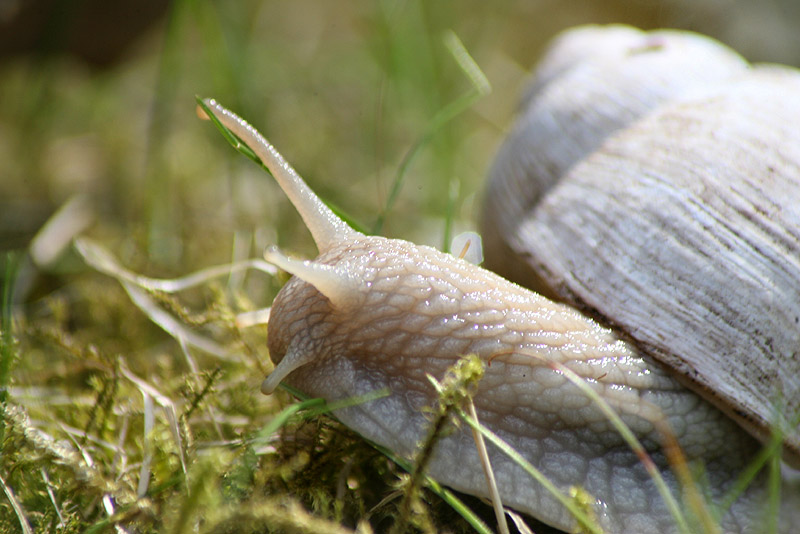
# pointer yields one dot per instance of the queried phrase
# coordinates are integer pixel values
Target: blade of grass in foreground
(632, 442)
(17, 507)
(773, 494)
(537, 475)
(443, 493)
(771, 450)
(313, 407)
(488, 472)
(704, 515)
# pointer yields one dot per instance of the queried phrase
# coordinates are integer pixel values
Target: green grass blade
(480, 88)
(632, 442)
(443, 493)
(537, 475)
(468, 65)
(765, 457)
(773, 495)
(285, 415)
(769, 451)
(312, 408)
(229, 136)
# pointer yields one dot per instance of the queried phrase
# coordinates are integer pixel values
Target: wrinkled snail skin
(422, 309)
(371, 313)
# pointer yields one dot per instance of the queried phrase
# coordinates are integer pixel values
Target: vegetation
(107, 423)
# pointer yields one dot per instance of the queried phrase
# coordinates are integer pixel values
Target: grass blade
(100, 259)
(480, 88)
(497, 502)
(537, 475)
(15, 505)
(632, 442)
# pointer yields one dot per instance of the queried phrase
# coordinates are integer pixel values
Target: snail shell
(592, 82)
(681, 228)
(371, 313)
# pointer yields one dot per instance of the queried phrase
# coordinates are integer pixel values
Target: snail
(652, 186)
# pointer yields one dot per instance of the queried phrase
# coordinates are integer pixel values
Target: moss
(106, 419)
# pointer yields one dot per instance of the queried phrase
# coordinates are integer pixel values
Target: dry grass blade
(55, 235)
(519, 522)
(163, 401)
(23, 522)
(253, 318)
(135, 285)
(470, 246)
(98, 257)
(149, 424)
(188, 355)
(497, 502)
(52, 496)
(693, 497)
(173, 326)
(583, 520)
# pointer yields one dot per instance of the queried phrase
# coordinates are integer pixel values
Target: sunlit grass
(108, 421)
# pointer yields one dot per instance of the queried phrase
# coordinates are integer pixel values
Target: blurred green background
(97, 98)
(97, 120)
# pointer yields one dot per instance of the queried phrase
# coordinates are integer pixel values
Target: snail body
(371, 313)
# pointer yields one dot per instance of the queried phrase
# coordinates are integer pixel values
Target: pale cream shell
(592, 82)
(681, 230)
